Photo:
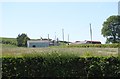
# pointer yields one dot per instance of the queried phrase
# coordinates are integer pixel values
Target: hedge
(116, 45)
(36, 67)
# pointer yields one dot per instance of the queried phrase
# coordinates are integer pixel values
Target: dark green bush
(61, 67)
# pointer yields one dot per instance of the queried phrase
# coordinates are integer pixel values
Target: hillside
(5, 40)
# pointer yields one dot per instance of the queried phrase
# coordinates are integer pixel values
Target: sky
(38, 19)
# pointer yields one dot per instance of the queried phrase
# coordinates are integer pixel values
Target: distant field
(10, 50)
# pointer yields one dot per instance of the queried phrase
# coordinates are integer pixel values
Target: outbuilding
(38, 43)
(87, 42)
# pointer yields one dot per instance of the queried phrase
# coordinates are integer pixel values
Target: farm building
(93, 42)
(40, 43)
(37, 43)
(87, 42)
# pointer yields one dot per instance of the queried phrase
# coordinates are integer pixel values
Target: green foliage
(60, 66)
(111, 29)
(22, 40)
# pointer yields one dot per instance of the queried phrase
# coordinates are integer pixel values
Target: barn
(38, 43)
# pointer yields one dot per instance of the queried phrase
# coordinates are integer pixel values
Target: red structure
(87, 42)
(93, 42)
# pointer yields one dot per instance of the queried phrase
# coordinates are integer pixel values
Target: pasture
(10, 50)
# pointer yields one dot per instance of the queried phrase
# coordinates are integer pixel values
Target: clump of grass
(88, 54)
(53, 54)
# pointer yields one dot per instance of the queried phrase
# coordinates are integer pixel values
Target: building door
(34, 46)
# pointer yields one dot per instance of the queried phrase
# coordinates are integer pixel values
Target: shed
(38, 43)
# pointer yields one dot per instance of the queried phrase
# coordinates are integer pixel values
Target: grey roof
(37, 41)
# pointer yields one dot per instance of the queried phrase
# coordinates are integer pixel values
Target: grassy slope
(5, 38)
(13, 40)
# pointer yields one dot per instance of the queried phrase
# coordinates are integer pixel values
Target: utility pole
(119, 8)
(55, 36)
(91, 33)
(63, 34)
(48, 37)
(68, 39)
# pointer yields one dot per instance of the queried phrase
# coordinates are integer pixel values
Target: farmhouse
(41, 43)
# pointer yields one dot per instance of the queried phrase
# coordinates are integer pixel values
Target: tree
(111, 29)
(22, 40)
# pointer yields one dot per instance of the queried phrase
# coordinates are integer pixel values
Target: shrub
(61, 66)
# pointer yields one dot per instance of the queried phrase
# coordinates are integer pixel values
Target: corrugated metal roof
(37, 41)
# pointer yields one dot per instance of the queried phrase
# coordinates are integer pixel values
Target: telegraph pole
(55, 36)
(119, 8)
(48, 37)
(63, 34)
(68, 39)
(91, 33)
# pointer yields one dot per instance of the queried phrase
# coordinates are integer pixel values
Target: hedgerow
(116, 45)
(60, 66)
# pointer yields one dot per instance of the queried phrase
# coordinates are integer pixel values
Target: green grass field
(11, 50)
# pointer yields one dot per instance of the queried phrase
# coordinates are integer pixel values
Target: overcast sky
(38, 19)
